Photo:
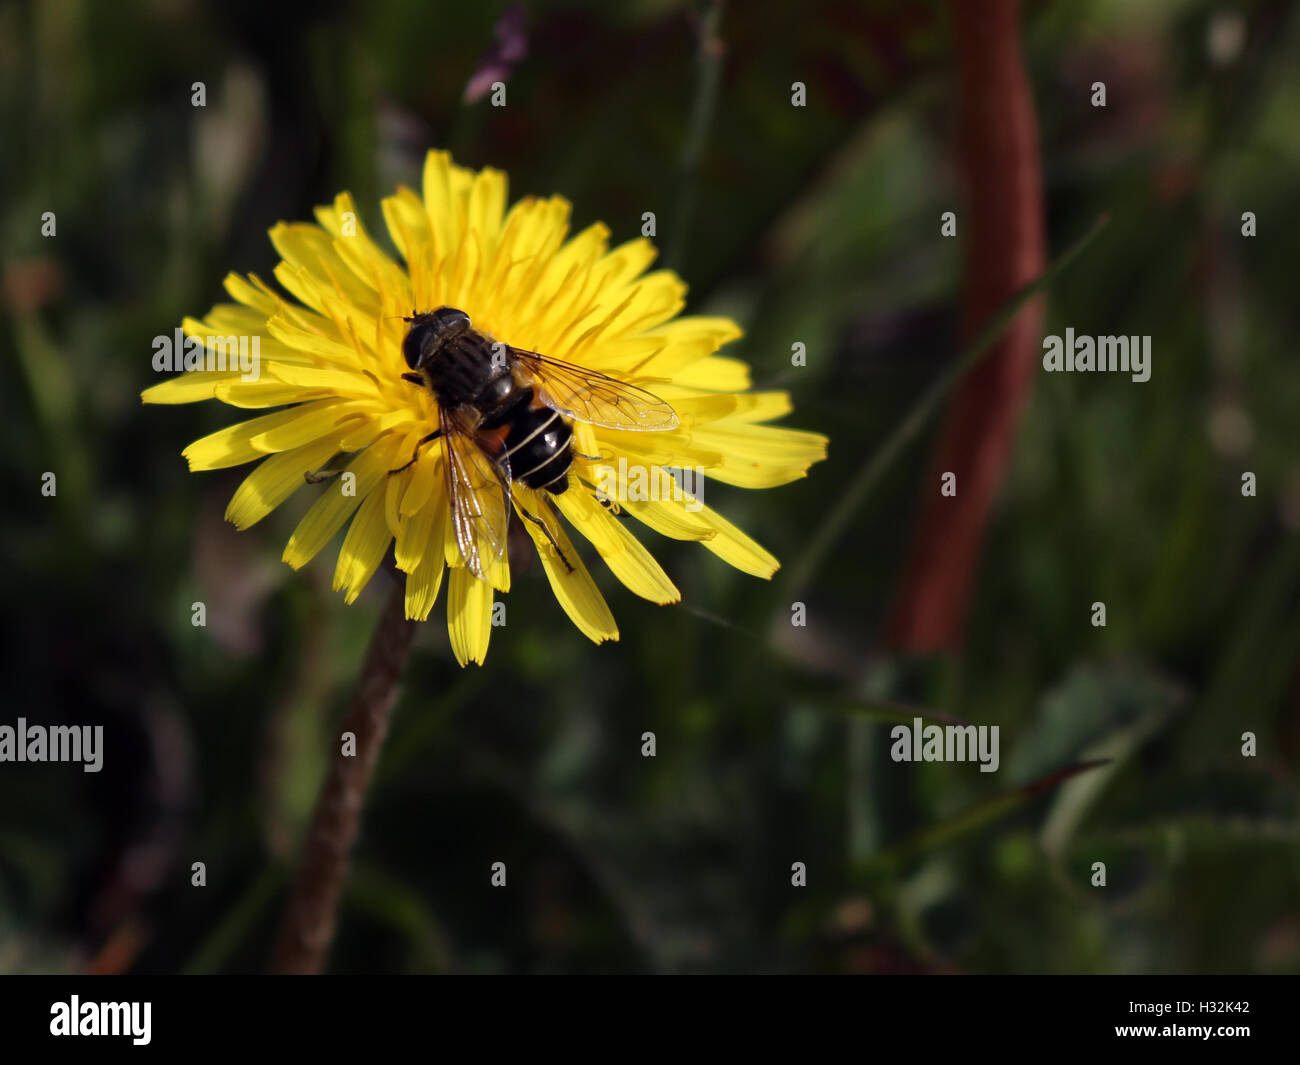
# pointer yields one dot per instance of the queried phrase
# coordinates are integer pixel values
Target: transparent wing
(596, 398)
(478, 489)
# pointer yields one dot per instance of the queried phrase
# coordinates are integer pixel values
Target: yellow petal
(681, 342)
(531, 234)
(227, 318)
(353, 244)
(411, 228)
(561, 291)
(319, 378)
(716, 330)
(425, 578)
(626, 261)
(762, 407)
(672, 521)
(759, 456)
(625, 555)
(425, 475)
(188, 387)
(310, 421)
(701, 410)
(487, 203)
(422, 586)
(244, 442)
(397, 485)
(444, 186)
(275, 480)
(265, 393)
(469, 616)
(363, 428)
(421, 533)
(335, 505)
(646, 450)
(574, 589)
(311, 249)
(498, 572)
(363, 548)
(252, 292)
(459, 274)
(678, 514)
(718, 373)
(315, 337)
(733, 546)
(651, 300)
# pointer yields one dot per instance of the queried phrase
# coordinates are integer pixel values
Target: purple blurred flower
(496, 65)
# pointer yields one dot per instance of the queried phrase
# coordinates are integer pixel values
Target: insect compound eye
(452, 323)
(415, 345)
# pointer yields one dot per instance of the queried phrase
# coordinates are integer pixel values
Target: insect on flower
(530, 367)
(501, 413)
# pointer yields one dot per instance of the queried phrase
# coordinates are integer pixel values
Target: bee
(505, 415)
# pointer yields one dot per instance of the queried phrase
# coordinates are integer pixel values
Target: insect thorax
(464, 372)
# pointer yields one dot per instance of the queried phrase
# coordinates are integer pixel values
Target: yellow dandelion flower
(341, 364)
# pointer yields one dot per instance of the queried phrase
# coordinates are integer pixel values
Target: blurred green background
(817, 225)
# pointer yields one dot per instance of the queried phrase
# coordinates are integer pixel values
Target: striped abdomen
(537, 445)
(472, 371)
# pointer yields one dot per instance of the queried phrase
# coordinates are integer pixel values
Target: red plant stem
(1005, 250)
(309, 921)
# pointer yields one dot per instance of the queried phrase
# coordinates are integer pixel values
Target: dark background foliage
(817, 225)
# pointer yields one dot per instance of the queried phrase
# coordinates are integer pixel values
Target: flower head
(331, 360)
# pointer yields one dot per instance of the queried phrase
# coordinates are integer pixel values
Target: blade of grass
(236, 925)
(973, 818)
(709, 54)
(1073, 802)
(388, 901)
(837, 521)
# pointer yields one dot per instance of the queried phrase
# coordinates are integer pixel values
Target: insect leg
(323, 474)
(601, 496)
(414, 378)
(546, 529)
(416, 454)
